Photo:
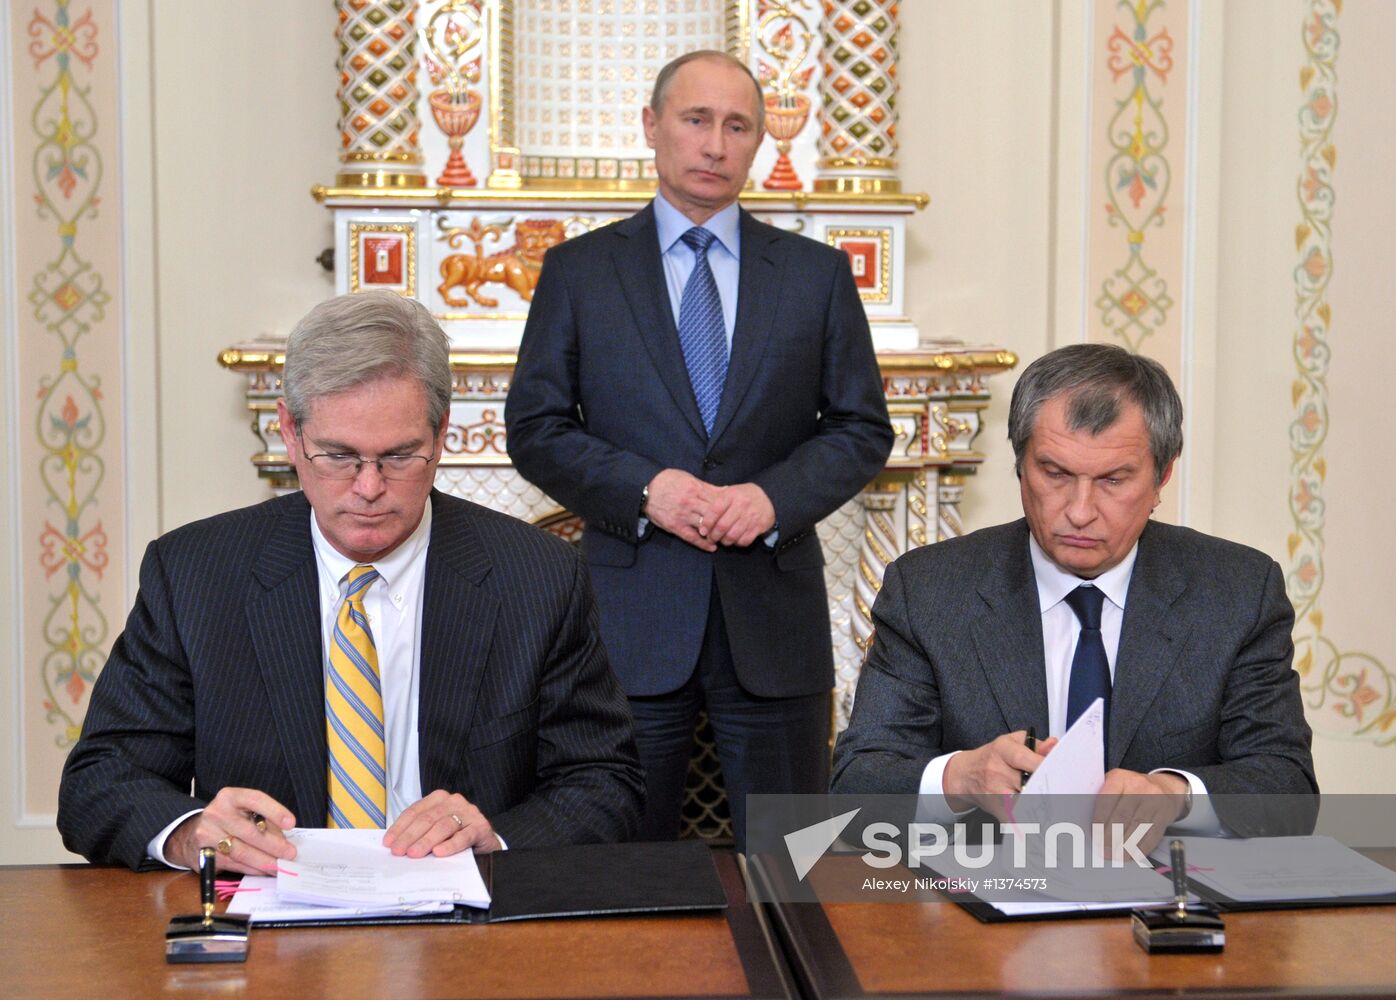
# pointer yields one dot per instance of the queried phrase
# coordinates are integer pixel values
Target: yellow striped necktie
(358, 781)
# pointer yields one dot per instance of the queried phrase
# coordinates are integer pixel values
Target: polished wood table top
(927, 948)
(84, 931)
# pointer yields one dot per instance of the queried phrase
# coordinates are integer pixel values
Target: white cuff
(932, 806)
(156, 848)
(1201, 820)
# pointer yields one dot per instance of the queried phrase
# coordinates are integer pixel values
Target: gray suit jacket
(601, 402)
(1203, 681)
(218, 680)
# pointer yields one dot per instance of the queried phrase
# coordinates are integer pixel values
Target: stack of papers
(345, 874)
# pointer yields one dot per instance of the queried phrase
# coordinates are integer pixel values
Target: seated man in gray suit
(365, 653)
(1186, 637)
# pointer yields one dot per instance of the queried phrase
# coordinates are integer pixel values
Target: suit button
(711, 463)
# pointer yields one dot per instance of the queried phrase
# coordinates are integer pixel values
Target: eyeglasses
(342, 465)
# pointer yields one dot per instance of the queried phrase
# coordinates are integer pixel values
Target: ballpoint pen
(1031, 744)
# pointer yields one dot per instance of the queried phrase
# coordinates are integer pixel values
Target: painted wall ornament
(1349, 693)
(450, 35)
(517, 267)
(787, 40)
(1134, 301)
(68, 300)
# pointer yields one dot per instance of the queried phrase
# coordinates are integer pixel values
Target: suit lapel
(758, 294)
(458, 624)
(1008, 637)
(641, 274)
(1151, 641)
(284, 621)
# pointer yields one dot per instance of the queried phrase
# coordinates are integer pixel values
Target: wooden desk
(82, 931)
(890, 949)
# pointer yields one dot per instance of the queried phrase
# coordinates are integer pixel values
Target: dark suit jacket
(218, 680)
(601, 402)
(1203, 681)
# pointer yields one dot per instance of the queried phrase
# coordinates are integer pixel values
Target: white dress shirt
(393, 604)
(1060, 630)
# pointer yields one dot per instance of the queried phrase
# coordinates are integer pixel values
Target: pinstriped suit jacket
(1203, 681)
(218, 680)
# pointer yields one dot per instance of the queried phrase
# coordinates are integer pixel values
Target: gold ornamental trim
(856, 163)
(883, 234)
(857, 185)
(908, 362)
(408, 232)
(380, 180)
(469, 196)
(261, 359)
(362, 156)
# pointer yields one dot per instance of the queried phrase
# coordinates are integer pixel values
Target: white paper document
(352, 870)
(257, 899)
(1268, 869)
(1062, 791)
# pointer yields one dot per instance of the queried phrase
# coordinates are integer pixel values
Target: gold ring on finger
(460, 823)
(225, 846)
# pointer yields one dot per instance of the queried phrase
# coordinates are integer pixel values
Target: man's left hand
(739, 515)
(442, 824)
(1131, 800)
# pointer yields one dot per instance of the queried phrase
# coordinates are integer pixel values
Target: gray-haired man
(367, 652)
(1186, 637)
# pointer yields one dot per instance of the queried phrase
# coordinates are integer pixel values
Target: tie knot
(1087, 602)
(698, 239)
(360, 579)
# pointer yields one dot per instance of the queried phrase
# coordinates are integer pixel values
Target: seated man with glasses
(367, 652)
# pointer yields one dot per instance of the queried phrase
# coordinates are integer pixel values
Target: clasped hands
(991, 775)
(706, 516)
(249, 827)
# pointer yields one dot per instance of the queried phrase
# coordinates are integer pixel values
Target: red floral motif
(1315, 265)
(59, 550)
(1312, 184)
(48, 39)
(1307, 342)
(1127, 55)
(1363, 694)
(75, 686)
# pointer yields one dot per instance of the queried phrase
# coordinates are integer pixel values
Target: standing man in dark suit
(1186, 637)
(367, 652)
(702, 389)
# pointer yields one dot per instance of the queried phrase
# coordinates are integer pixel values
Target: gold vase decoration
(786, 115)
(456, 114)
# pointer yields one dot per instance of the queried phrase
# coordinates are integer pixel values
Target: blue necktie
(1090, 670)
(702, 334)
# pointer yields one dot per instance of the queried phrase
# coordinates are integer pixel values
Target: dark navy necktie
(1090, 670)
(702, 333)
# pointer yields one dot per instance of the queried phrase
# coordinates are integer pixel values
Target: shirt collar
(1054, 583)
(672, 224)
(337, 565)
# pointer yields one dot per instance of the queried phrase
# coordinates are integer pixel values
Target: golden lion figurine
(517, 267)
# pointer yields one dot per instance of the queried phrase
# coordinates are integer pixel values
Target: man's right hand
(232, 816)
(677, 502)
(988, 777)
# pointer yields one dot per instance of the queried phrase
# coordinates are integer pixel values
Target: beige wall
(228, 116)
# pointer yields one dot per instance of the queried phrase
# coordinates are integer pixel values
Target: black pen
(1178, 869)
(1031, 744)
